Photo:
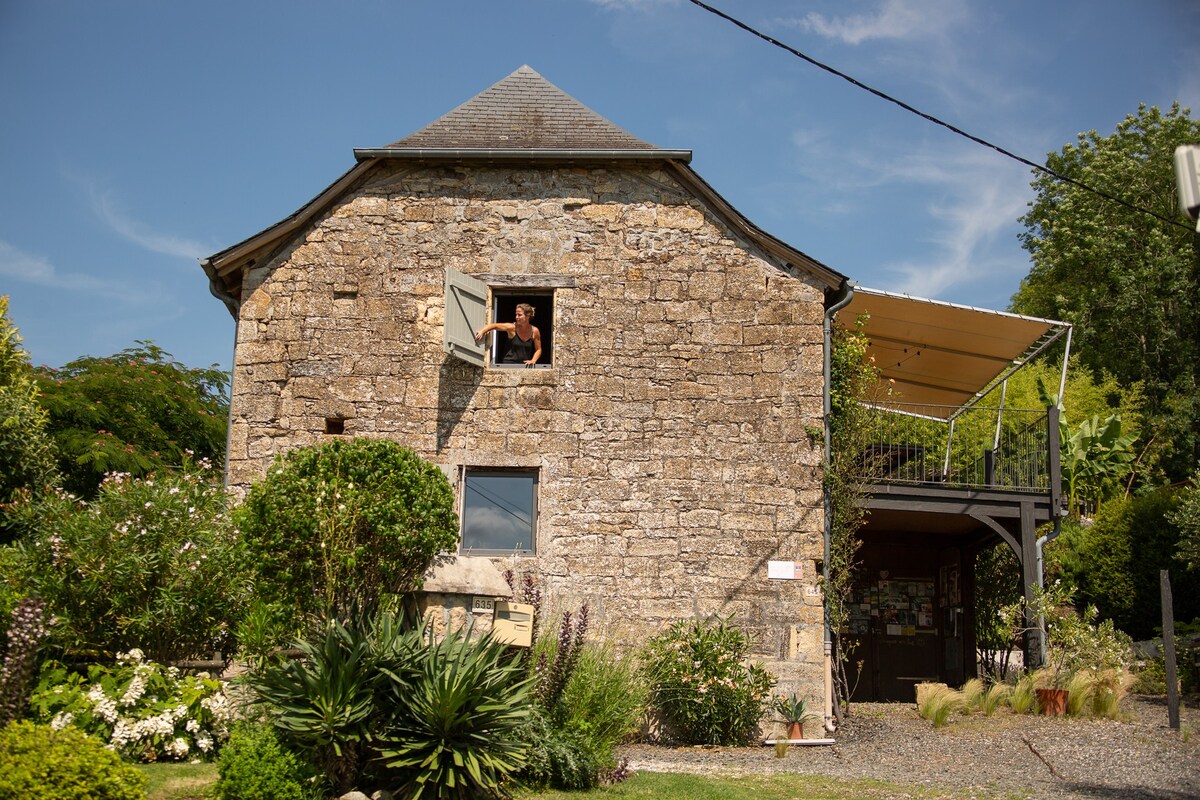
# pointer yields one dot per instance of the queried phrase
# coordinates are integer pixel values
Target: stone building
(662, 460)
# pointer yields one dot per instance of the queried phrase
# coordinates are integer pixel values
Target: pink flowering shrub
(150, 563)
(703, 683)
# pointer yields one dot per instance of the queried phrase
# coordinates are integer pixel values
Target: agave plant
(456, 730)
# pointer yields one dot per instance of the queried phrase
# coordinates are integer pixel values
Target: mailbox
(513, 623)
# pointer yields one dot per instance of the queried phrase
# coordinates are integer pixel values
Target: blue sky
(139, 136)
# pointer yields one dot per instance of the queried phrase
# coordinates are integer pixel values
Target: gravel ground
(1138, 758)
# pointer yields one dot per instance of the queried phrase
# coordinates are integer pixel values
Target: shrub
(972, 694)
(701, 681)
(1109, 687)
(993, 697)
(151, 563)
(331, 529)
(573, 743)
(1022, 698)
(38, 761)
(144, 711)
(373, 704)
(456, 730)
(255, 766)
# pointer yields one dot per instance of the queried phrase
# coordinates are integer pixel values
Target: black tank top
(519, 350)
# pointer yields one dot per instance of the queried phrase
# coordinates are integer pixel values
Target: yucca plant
(323, 701)
(456, 730)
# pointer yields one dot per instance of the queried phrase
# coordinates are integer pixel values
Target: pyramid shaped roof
(522, 112)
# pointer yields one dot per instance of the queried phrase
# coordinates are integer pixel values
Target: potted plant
(795, 713)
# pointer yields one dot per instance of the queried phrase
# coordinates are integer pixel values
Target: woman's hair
(528, 309)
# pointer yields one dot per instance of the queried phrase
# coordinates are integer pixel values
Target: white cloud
(141, 234)
(894, 19)
(19, 265)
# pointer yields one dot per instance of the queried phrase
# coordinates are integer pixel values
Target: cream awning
(941, 354)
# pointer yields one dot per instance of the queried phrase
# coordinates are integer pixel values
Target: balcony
(977, 447)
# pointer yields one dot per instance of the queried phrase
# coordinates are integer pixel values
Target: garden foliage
(701, 681)
(374, 705)
(137, 411)
(141, 710)
(588, 700)
(254, 765)
(20, 650)
(37, 761)
(332, 529)
(27, 456)
(151, 563)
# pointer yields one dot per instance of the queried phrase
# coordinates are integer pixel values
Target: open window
(499, 511)
(472, 302)
(504, 309)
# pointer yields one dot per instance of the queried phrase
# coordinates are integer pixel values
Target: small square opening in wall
(510, 350)
(499, 511)
(335, 426)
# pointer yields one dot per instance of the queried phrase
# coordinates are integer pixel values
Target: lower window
(499, 511)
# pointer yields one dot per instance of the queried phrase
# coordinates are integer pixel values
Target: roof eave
(520, 154)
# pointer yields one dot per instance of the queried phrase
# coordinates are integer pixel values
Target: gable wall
(672, 434)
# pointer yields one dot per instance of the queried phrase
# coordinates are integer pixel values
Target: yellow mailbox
(513, 623)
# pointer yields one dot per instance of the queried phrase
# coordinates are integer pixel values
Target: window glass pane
(498, 511)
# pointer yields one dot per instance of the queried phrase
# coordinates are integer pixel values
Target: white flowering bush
(142, 710)
(703, 683)
(151, 563)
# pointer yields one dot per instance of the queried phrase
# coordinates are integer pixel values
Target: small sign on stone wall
(784, 570)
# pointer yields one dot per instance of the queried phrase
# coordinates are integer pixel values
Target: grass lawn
(179, 781)
(194, 782)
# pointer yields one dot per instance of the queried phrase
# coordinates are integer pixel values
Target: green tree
(1128, 281)
(134, 412)
(1115, 562)
(26, 451)
(1187, 517)
(331, 529)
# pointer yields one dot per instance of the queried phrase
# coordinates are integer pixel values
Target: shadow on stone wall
(457, 383)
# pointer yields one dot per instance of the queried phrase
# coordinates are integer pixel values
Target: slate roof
(522, 112)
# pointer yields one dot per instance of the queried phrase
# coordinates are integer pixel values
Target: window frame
(469, 471)
(502, 308)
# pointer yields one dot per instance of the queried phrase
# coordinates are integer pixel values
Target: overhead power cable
(929, 117)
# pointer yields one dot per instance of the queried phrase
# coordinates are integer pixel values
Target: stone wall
(673, 435)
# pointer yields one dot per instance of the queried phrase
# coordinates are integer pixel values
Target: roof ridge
(522, 111)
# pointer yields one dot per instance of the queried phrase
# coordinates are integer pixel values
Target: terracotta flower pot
(795, 730)
(1052, 702)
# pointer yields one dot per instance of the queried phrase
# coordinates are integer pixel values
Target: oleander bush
(702, 682)
(151, 563)
(141, 710)
(37, 761)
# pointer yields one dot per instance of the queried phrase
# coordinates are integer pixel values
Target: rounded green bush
(38, 761)
(333, 528)
(254, 766)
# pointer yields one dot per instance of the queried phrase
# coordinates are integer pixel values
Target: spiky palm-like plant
(456, 733)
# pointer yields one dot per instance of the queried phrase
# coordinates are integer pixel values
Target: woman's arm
(537, 346)
(507, 327)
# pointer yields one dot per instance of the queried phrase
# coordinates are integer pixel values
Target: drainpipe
(841, 299)
(1042, 621)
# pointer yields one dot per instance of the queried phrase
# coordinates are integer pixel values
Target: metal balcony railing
(976, 447)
